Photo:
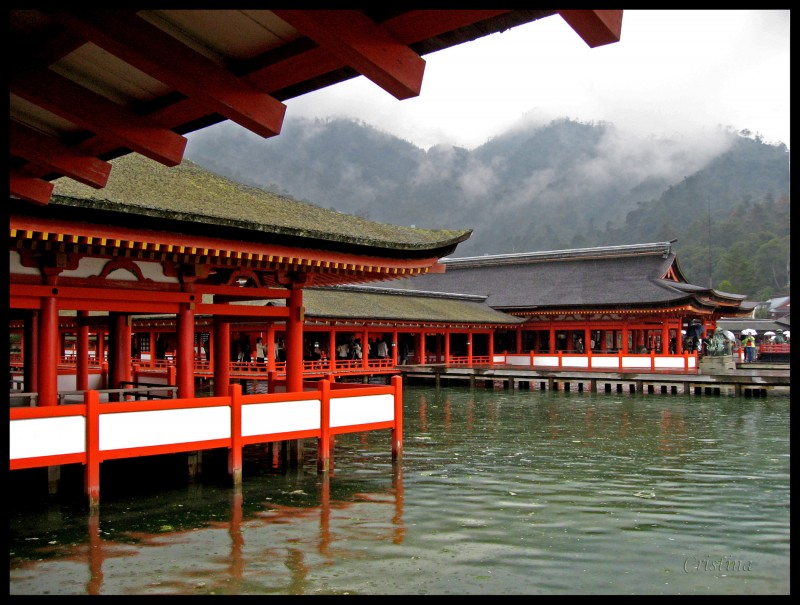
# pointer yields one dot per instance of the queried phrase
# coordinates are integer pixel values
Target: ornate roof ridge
(664, 249)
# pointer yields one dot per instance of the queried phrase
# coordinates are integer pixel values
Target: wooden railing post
(91, 482)
(397, 431)
(235, 451)
(324, 441)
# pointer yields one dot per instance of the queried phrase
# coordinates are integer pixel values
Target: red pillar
(519, 340)
(48, 352)
(365, 348)
(491, 347)
(185, 351)
(447, 346)
(395, 344)
(294, 340)
(470, 336)
(222, 357)
(332, 349)
(82, 352)
(30, 352)
(421, 348)
(119, 352)
(552, 339)
(625, 338)
(271, 347)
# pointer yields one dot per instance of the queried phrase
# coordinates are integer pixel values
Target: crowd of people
(351, 348)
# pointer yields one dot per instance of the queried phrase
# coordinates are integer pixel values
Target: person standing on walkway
(750, 349)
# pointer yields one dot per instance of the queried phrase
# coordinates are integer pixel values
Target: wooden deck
(747, 379)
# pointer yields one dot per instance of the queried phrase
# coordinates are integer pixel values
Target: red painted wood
(235, 449)
(596, 27)
(294, 341)
(96, 113)
(29, 188)
(93, 458)
(364, 46)
(48, 353)
(185, 352)
(397, 429)
(63, 159)
(323, 442)
(143, 45)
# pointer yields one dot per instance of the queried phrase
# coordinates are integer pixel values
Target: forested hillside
(725, 199)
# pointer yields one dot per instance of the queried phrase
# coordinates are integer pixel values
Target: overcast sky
(677, 73)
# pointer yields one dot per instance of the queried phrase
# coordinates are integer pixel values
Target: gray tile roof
(591, 277)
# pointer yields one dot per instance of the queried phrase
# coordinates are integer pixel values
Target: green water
(498, 492)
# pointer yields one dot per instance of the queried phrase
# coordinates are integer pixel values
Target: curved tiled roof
(592, 277)
(376, 304)
(141, 189)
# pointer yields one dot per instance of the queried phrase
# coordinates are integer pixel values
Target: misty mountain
(564, 185)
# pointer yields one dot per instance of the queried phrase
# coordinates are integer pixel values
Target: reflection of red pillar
(185, 352)
(237, 539)
(325, 516)
(222, 356)
(294, 341)
(95, 584)
(48, 352)
(82, 353)
(397, 519)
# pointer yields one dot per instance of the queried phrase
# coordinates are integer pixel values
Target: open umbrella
(729, 335)
(695, 330)
(786, 333)
(769, 333)
(749, 332)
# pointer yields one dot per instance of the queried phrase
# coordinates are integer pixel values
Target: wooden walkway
(747, 380)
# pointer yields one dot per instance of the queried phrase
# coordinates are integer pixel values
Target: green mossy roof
(376, 304)
(188, 192)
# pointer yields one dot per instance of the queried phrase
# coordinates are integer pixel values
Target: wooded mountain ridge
(568, 184)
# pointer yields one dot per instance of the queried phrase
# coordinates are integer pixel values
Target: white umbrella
(729, 335)
(786, 333)
(749, 332)
(769, 333)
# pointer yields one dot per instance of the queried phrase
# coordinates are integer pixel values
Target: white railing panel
(280, 417)
(635, 362)
(33, 437)
(163, 427)
(346, 411)
(605, 362)
(545, 360)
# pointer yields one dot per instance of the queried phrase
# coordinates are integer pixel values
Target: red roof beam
(27, 187)
(96, 113)
(596, 27)
(158, 54)
(366, 47)
(35, 146)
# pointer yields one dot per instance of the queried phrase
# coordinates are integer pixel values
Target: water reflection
(498, 492)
